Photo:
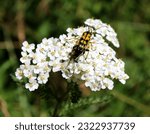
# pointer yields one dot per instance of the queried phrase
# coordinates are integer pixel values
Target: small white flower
(25, 58)
(32, 86)
(19, 73)
(43, 78)
(28, 71)
(37, 68)
(27, 47)
(56, 65)
(109, 83)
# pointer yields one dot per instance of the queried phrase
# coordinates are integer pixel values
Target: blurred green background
(32, 20)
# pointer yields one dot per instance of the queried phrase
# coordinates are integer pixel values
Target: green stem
(59, 103)
(131, 102)
(55, 113)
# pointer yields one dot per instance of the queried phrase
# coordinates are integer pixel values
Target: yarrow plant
(97, 68)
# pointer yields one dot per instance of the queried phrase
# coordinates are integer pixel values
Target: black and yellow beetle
(82, 45)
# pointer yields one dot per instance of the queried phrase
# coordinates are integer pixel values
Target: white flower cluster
(96, 67)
